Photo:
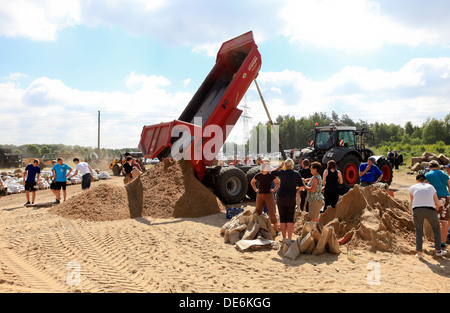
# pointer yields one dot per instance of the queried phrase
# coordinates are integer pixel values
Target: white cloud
(418, 90)
(186, 82)
(48, 111)
(37, 20)
(352, 25)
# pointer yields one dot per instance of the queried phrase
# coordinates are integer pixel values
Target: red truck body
(215, 103)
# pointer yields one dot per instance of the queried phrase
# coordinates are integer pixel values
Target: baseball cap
(373, 160)
(434, 162)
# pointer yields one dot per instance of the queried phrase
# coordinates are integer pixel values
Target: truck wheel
(116, 170)
(349, 167)
(231, 185)
(251, 173)
(386, 168)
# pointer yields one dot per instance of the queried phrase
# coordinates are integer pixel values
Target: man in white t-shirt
(86, 173)
(425, 205)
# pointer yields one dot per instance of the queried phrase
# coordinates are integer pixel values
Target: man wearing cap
(368, 173)
(441, 182)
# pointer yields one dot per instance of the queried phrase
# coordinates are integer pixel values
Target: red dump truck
(207, 120)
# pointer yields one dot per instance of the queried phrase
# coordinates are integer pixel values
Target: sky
(140, 62)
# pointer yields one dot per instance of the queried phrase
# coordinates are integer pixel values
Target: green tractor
(340, 143)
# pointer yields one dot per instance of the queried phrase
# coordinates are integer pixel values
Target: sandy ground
(43, 252)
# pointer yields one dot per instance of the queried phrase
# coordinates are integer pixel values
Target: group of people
(394, 158)
(61, 171)
(430, 200)
(128, 167)
(307, 184)
(430, 196)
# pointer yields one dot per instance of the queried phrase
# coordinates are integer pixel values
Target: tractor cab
(344, 145)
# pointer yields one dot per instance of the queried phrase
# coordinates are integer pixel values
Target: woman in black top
(305, 173)
(290, 184)
(332, 177)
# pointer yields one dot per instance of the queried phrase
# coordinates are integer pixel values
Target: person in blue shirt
(32, 171)
(368, 173)
(60, 175)
(441, 182)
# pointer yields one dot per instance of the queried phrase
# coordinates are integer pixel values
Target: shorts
(30, 186)
(86, 181)
(444, 213)
(314, 209)
(60, 184)
(286, 209)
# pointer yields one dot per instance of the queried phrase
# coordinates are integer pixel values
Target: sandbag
(293, 251)
(333, 244)
(286, 244)
(234, 237)
(305, 242)
(311, 247)
(251, 245)
(322, 242)
(251, 231)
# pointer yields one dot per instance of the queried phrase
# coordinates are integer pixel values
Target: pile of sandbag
(315, 239)
(249, 231)
(422, 162)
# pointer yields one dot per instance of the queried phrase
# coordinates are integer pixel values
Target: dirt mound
(101, 203)
(167, 190)
(170, 189)
(377, 221)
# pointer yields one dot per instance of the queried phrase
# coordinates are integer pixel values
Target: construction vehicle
(214, 106)
(116, 164)
(340, 143)
(8, 159)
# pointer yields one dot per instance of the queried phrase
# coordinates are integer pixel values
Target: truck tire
(231, 185)
(349, 167)
(251, 173)
(116, 170)
(386, 168)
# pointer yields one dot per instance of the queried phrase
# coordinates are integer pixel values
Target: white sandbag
(293, 251)
(251, 231)
(305, 243)
(323, 240)
(255, 244)
(333, 243)
(104, 175)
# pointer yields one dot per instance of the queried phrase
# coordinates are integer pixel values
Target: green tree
(409, 128)
(32, 151)
(433, 131)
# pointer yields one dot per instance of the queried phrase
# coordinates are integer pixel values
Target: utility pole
(98, 139)
(271, 123)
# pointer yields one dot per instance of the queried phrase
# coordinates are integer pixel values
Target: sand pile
(376, 221)
(101, 203)
(167, 190)
(170, 189)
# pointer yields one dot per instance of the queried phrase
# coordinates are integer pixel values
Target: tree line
(296, 133)
(39, 150)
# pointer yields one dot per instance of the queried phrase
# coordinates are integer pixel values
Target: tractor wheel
(116, 170)
(231, 185)
(349, 167)
(386, 168)
(251, 173)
